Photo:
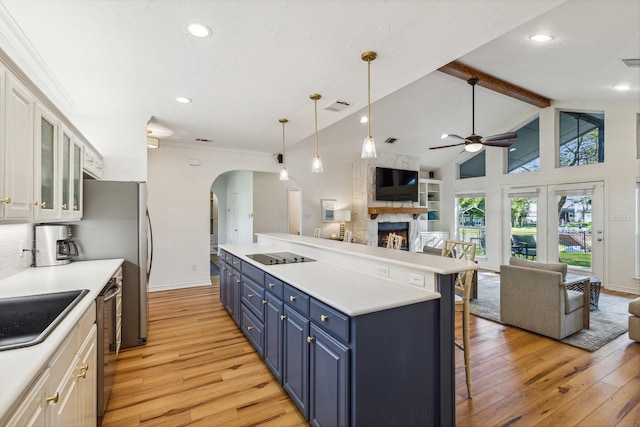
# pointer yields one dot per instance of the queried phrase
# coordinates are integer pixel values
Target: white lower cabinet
(65, 393)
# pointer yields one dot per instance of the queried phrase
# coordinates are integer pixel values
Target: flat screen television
(396, 185)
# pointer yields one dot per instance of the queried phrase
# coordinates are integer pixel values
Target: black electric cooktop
(279, 258)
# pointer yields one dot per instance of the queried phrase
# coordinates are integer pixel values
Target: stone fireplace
(365, 226)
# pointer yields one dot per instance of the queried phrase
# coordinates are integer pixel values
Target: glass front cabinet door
(46, 204)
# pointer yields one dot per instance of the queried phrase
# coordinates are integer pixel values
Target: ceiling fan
(475, 142)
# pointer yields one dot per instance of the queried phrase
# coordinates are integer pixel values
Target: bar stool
(464, 282)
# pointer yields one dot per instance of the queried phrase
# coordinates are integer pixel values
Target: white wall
(619, 172)
(270, 203)
(14, 238)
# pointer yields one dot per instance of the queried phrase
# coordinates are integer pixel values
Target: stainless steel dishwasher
(109, 323)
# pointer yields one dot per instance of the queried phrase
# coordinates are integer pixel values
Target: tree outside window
(581, 138)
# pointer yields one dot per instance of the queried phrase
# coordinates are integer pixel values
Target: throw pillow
(560, 267)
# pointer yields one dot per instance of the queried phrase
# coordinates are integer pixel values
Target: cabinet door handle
(271, 285)
(237, 281)
(292, 298)
(249, 295)
(249, 328)
(264, 301)
(75, 207)
(309, 340)
(324, 318)
(44, 205)
(34, 203)
(6, 200)
(283, 317)
(65, 206)
(53, 399)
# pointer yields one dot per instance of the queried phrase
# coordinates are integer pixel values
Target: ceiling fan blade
(500, 137)
(454, 136)
(498, 143)
(447, 146)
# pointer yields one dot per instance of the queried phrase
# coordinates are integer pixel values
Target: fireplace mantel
(375, 211)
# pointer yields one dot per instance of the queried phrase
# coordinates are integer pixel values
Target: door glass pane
(471, 222)
(47, 159)
(77, 172)
(66, 171)
(574, 230)
(524, 228)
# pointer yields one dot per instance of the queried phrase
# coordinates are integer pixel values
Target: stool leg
(467, 347)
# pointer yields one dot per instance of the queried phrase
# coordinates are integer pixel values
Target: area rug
(214, 270)
(608, 322)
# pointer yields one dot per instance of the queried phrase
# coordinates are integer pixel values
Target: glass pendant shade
(368, 148)
(316, 165)
(284, 175)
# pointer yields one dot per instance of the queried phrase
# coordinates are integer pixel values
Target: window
(524, 155)
(470, 226)
(474, 167)
(581, 138)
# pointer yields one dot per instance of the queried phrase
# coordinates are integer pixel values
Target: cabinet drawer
(236, 263)
(227, 257)
(87, 320)
(253, 272)
(330, 319)
(253, 329)
(297, 299)
(253, 297)
(273, 285)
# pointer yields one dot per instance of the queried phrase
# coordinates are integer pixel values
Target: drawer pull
(249, 295)
(54, 398)
(249, 328)
(283, 317)
(237, 281)
(264, 301)
(6, 200)
(292, 298)
(34, 203)
(271, 285)
(309, 340)
(324, 318)
(83, 371)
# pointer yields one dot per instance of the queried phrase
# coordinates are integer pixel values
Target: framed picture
(327, 209)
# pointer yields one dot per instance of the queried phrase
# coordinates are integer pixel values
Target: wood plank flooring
(198, 369)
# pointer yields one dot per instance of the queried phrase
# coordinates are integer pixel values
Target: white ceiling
(266, 57)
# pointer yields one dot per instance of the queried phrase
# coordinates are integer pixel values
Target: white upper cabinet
(18, 157)
(71, 171)
(47, 176)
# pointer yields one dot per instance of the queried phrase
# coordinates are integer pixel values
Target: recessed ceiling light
(622, 87)
(364, 119)
(540, 38)
(183, 100)
(199, 30)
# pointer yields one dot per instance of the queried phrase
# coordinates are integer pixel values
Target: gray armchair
(534, 296)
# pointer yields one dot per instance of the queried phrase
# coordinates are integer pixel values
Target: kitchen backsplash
(14, 238)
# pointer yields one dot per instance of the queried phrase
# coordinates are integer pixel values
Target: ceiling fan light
(540, 38)
(316, 165)
(368, 148)
(444, 135)
(473, 147)
(199, 30)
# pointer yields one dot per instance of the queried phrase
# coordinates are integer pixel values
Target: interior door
(575, 230)
(234, 219)
(294, 211)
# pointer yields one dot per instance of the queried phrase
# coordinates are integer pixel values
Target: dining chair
(464, 282)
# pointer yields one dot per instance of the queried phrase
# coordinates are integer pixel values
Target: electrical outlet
(382, 270)
(416, 279)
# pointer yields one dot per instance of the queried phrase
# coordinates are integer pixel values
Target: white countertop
(19, 367)
(351, 292)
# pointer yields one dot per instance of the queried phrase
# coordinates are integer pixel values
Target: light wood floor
(198, 369)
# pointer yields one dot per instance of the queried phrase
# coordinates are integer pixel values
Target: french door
(556, 223)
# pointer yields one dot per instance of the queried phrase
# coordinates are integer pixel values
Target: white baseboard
(624, 289)
(170, 286)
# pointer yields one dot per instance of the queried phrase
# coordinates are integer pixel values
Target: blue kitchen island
(357, 335)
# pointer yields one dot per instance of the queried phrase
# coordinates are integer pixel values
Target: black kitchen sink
(28, 320)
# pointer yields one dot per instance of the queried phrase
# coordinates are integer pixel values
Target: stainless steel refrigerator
(115, 224)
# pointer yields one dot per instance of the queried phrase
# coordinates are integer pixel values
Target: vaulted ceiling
(264, 59)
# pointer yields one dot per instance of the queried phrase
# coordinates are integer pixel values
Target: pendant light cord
(284, 157)
(315, 107)
(369, 97)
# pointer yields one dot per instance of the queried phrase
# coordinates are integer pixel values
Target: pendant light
(316, 165)
(369, 145)
(284, 175)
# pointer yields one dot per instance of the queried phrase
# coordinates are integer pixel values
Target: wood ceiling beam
(464, 72)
